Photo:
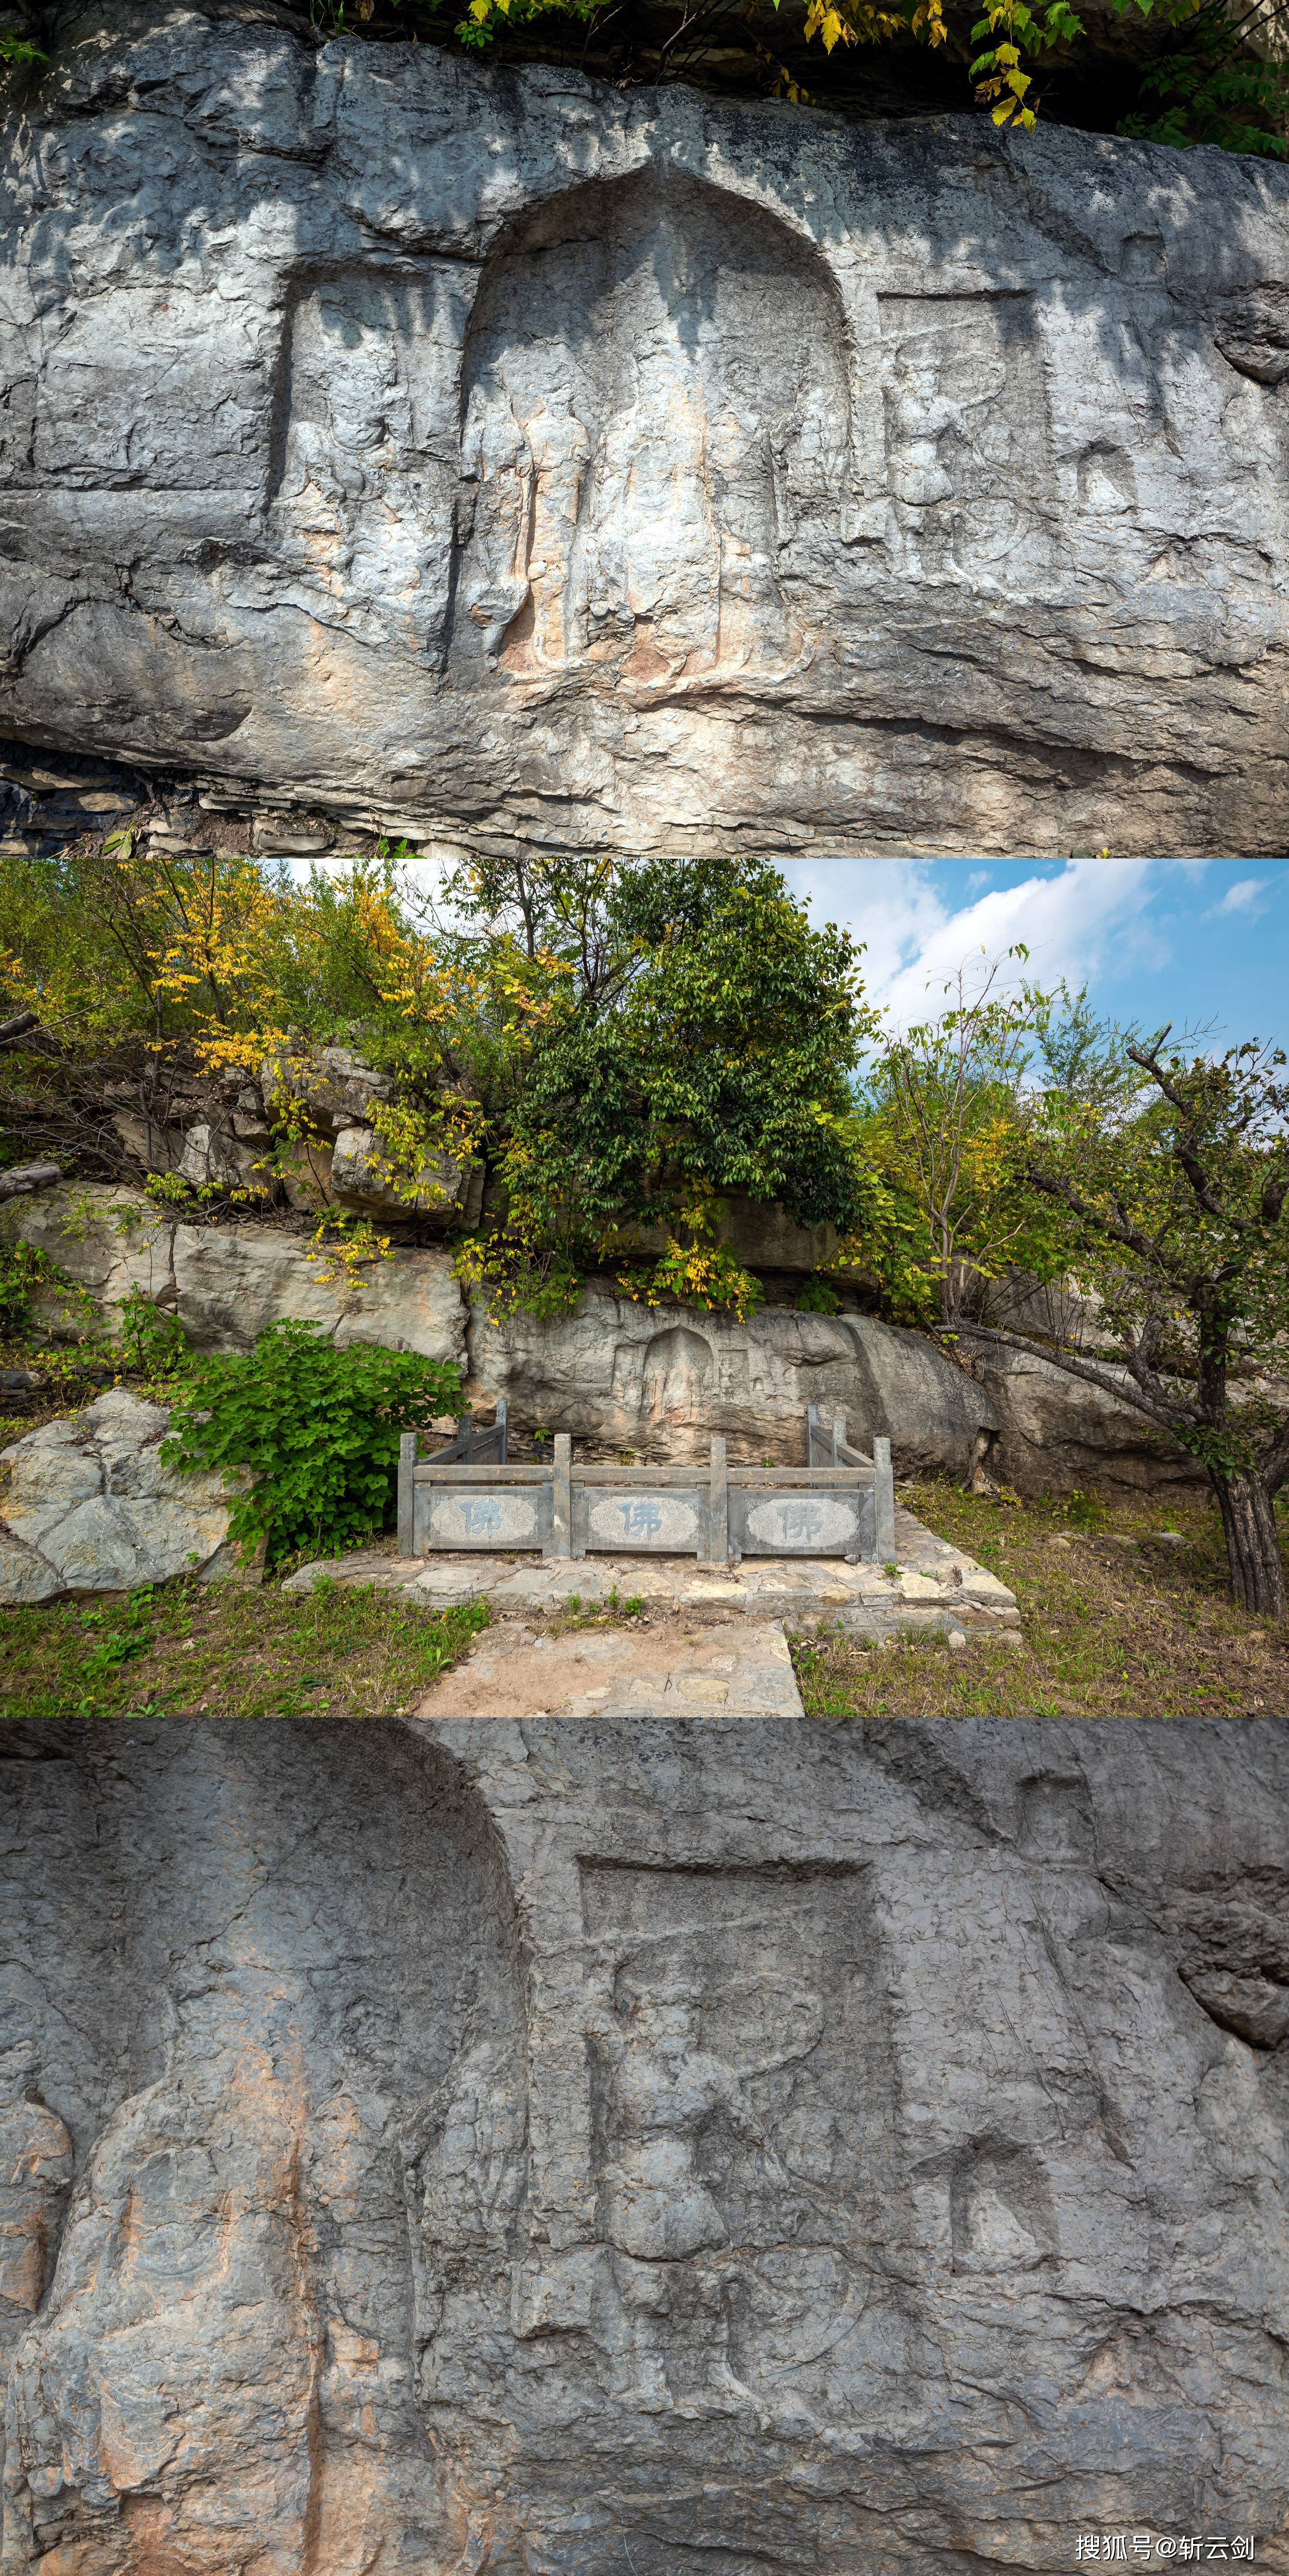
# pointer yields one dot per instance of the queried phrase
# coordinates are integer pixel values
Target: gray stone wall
(511, 459)
(643, 2142)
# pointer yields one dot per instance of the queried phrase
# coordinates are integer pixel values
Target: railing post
(562, 1498)
(883, 1503)
(407, 1449)
(718, 1510)
(838, 1437)
(502, 1427)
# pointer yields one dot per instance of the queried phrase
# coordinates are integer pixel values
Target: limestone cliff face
(464, 2144)
(512, 459)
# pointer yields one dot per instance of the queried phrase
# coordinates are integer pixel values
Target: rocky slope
(658, 1381)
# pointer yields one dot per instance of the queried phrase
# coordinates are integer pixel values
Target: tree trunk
(1252, 1547)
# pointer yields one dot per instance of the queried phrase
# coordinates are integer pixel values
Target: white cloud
(1074, 922)
(1246, 895)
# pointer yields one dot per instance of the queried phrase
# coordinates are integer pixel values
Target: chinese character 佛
(641, 1520)
(482, 1516)
(801, 1521)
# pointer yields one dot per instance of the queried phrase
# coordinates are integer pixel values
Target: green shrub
(24, 1272)
(150, 1340)
(815, 1297)
(317, 1428)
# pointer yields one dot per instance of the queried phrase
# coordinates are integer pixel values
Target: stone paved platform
(669, 1668)
(933, 1585)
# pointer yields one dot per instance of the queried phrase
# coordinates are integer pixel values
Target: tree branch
(1145, 1399)
(1117, 1227)
(1275, 1467)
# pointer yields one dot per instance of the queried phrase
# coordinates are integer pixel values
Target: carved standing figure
(664, 2090)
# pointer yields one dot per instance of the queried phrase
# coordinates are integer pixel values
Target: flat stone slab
(664, 1670)
(934, 1586)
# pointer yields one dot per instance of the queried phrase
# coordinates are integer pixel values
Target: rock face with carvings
(658, 1380)
(608, 2140)
(518, 461)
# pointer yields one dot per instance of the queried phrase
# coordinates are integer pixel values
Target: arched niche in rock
(676, 1376)
(273, 2030)
(656, 434)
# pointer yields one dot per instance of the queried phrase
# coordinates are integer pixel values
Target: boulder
(87, 1506)
(451, 1193)
(660, 1380)
(21, 1178)
(332, 1083)
(1054, 1432)
(759, 1233)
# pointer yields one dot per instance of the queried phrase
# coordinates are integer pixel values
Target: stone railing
(717, 1513)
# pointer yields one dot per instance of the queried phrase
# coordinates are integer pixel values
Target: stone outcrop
(226, 1284)
(1053, 1431)
(87, 1506)
(643, 2138)
(662, 1379)
(655, 1379)
(513, 460)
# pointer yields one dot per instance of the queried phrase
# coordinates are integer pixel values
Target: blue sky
(1194, 940)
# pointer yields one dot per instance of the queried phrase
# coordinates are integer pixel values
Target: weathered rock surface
(658, 1380)
(87, 1506)
(226, 1284)
(1054, 1432)
(515, 459)
(626, 2140)
(662, 1379)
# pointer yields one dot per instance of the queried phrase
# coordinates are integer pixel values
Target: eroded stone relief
(967, 437)
(741, 2081)
(657, 431)
(365, 486)
(518, 462)
(476, 2145)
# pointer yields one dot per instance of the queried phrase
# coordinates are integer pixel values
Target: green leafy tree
(681, 1035)
(1213, 84)
(944, 1126)
(1168, 1175)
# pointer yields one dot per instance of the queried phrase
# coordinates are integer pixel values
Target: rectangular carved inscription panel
(967, 433)
(742, 2113)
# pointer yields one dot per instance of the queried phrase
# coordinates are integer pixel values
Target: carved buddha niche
(656, 435)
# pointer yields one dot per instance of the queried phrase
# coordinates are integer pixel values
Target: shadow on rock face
(561, 2145)
(274, 1994)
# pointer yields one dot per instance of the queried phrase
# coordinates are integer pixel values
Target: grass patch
(1114, 1622)
(223, 1650)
